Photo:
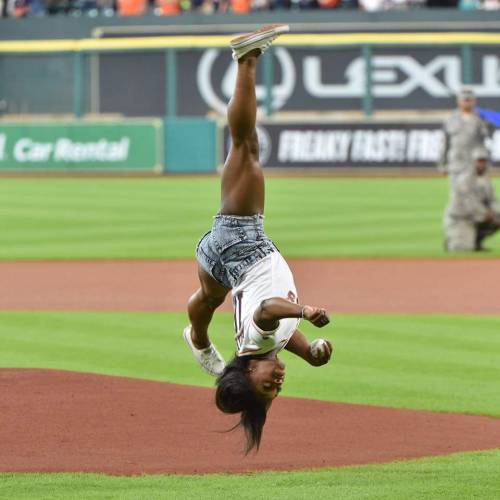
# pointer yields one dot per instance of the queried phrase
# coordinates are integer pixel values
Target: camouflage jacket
(462, 133)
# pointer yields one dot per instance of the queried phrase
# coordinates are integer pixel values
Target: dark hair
(234, 395)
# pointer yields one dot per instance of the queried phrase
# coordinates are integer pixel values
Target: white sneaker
(209, 358)
(260, 39)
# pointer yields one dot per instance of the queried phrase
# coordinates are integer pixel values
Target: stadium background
(87, 105)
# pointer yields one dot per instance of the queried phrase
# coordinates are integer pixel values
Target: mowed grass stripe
(464, 476)
(441, 363)
(163, 218)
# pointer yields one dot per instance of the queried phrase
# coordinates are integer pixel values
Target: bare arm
(270, 311)
(301, 347)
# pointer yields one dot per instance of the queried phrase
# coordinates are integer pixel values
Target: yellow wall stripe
(136, 43)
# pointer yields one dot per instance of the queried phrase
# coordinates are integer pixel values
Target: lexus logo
(216, 77)
(307, 78)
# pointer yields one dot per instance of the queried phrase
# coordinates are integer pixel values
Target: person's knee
(253, 141)
(209, 300)
(248, 141)
(460, 238)
(214, 301)
(460, 243)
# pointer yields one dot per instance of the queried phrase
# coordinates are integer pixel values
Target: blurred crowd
(21, 8)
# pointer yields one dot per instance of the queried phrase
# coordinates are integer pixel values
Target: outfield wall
(187, 75)
(187, 145)
(126, 146)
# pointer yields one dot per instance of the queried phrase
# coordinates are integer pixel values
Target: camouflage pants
(466, 236)
(460, 235)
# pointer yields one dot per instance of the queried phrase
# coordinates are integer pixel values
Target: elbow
(265, 310)
(265, 317)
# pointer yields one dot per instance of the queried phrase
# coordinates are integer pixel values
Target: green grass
(163, 218)
(457, 477)
(442, 363)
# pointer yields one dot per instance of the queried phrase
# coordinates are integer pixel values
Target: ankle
(199, 344)
(251, 57)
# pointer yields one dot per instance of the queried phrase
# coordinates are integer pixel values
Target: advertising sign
(306, 79)
(352, 144)
(95, 146)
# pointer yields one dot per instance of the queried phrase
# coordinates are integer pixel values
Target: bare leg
(201, 307)
(242, 189)
(242, 180)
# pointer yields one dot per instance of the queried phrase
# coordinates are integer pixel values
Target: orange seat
(328, 4)
(167, 7)
(240, 6)
(131, 7)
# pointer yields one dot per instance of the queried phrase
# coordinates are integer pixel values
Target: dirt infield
(342, 285)
(56, 421)
(68, 421)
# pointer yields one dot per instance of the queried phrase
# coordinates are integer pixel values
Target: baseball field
(102, 399)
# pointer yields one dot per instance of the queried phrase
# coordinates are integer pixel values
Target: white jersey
(270, 277)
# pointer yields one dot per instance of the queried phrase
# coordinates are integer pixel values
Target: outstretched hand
(317, 316)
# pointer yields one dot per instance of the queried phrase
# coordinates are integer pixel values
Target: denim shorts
(233, 245)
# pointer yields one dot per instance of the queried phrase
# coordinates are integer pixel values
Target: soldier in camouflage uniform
(473, 212)
(464, 130)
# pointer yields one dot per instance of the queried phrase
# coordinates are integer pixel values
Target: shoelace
(209, 361)
(267, 45)
(210, 355)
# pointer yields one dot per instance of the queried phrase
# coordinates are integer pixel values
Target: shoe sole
(259, 35)
(185, 333)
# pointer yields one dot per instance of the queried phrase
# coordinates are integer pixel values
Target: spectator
(57, 6)
(280, 4)
(167, 7)
(473, 212)
(260, 5)
(371, 5)
(491, 4)
(469, 4)
(442, 3)
(305, 4)
(18, 8)
(131, 7)
(107, 7)
(240, 6)
(329, 4)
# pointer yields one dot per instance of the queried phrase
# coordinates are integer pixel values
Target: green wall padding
(190, 145)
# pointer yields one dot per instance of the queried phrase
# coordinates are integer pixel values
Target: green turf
(163, 218)
(456, 477)
(443, 363)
